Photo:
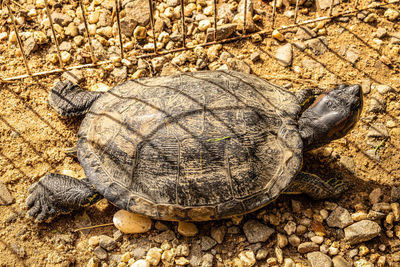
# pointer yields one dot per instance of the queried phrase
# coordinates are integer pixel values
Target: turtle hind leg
(68, 99)
(315, 187)
(57, 194)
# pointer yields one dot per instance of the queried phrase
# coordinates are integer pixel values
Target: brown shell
(198, 146)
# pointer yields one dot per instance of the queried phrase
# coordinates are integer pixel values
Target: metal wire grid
(156, 52)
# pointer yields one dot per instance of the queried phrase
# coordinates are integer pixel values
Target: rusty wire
(94, 59)
(215, 20)
(267, 32)
(54, 34)
(119, 28)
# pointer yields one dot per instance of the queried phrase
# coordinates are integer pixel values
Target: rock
(305, 33)
(339, 261)
(140, 263)
(256, 231)
(225, 12)
(340, 217)
(138, 10)
(166, 235)
(284, 55)
(181, 261)
(381, 207)
(207, 243)
(319, 259)
(100, 253)
(223, 32)
(290, 227)
(375, 215)
(107, 242)
(317, 45)
(307, 247)
(361, 231)
(75, 76)
(238, 65)
(317, 239)
(5, 196)
(207, 260)
(377, 104)
(120, 74)
(377, 130)
(323, 4)
(61, 19)
(391, 14)
(72, 30)
(248, 258)
(294, 240)
(352, 55)
(375, 195)
(288, 262)
(395, 193)
(281, 240)
(30, 46)
(128, 25)
(187, 228)
(363, 263)
(140, 33)
(173, 3)
(131, 223)
(218, 233)
(254, 57)
(182, 250)
(384, 89)
(250, 25)
(261, 254)
(366, 86)
(154, 256)
(348, 163)
(249, 7)
(138, 252)
(380, 33)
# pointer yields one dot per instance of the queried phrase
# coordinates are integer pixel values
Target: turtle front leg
(305, 97)
(56, 194)
(315, 187)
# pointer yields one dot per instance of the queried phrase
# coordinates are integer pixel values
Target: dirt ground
(34, 138)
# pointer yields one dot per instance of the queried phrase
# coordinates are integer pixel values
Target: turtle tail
(68, 99)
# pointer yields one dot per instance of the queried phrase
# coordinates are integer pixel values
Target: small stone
(391, 14)
(304, 33)
(361, 231)
(126, 257)
(381, 207)
(395, 193)
(131, 223)
(339, 261)
(317, 45)
(384, 89)
(5, 197)
(340, 217)
(294, 240)
(284, 55)
(181, 261)
(256, 231)
(363, 263)
(375, 215)
(290, 228)
(30, 46)
(94, 241)
(72, 30)
(261, 254)
(288, 262)
(377, 104)
(375, 195)
(272, 261)
(65, 56)
(100, 253)
(238, 65)
(187, 228)
(307, 247)
(140, 263)
(139, 11)
(318, 259)
(166, 235)
(348, 163)
(254, 57)
(207, 243)
(138, 252)
(248, 258)
(352, 55)
(204, 25)
(154, 256)
(75, 76)
(207, 260)
(218, 233)
(317, 239)
(359, 216)
(278, 36)
(279, 254)
(140, 33)
(107, 242)
(333, 251)
(223, 32)
(396, 211)
(363, 250)
(182, 250)
(381, 261)
(61, 19)
(281, 240)
(301, 229)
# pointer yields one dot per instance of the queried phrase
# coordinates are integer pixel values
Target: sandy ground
(34, 138)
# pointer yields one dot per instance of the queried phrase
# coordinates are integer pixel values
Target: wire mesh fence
(268, 32)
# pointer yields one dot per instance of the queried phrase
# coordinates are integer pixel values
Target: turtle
(198, 146)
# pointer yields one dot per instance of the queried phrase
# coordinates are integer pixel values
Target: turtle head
(331, 116)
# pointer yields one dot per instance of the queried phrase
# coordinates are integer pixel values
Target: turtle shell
(196, 146)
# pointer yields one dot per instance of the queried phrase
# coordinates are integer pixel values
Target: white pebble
(204, 25)
(131, 223)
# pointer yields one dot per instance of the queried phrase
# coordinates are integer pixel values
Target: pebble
(138, 252)
(204, 25)
(381, 207)
(384, 89)
(317, 45)
(138, 10)
(307, 247)
(154, 256)
(254, 57)
(363, 263)
(288, 262)
(207, 243)
(140, 263)
(294, 240)
(361, 231)
(391, 14)
(278, 36)
(317, 239)
(261, 254)
(166, 235)
(106, 242)
(181, 261)
(238, 65)
(395, 193)
(130, 223)
(290, 228)
(281, 240)
(75, 76)
(187, 228)
(223, 32)
(207, 260)
(140, 33)
(279, 254)
(377, 104)
(284, 55)
(352, 55)
(5, 196)
(340, 218)
(339, 261)
(182, 250)
(126, 257)
(248, 258)
(348, 163)
(375, 195)
(359, 216)
(256, 231)
(218, 233)
(375, 215)
(318, 259)
(305, 33)
(100, 253)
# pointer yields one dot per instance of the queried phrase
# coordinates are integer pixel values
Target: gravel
(362, 231)
(340, 217)
(256, 231)
(318, 259)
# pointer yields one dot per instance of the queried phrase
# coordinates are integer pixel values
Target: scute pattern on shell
(198, 146)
